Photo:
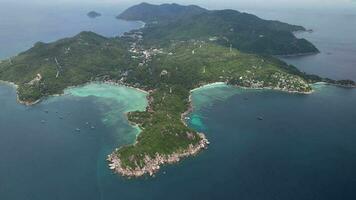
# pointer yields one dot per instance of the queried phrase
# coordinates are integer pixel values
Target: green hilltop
(89, 57)
(168, 68)
(164, 13)
(243, 31)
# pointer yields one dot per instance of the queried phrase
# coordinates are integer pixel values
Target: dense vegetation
(243, 31)
(163, 131)
(80, 59)
(171, 74)
(164, 13)
(168, 68)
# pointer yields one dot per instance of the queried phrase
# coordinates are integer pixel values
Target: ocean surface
(44, 156)
(333, 34)
(22, 26)
(304, 148)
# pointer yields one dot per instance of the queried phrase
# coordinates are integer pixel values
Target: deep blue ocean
(304, 148)
(23, 24)
(333, 34)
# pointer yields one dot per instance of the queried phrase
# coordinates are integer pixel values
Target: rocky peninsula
(153, 164)
(168, 63)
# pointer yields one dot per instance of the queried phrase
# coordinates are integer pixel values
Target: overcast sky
(206, 3)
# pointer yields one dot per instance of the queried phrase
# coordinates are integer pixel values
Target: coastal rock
(93, 14)
(152, 165)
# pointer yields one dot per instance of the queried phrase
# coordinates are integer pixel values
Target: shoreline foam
(152, 165)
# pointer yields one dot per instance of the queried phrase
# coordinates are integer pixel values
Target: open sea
(304, 148)
(333, 34)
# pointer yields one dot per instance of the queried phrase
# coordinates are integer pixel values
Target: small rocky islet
(93, 14)
(168, 58)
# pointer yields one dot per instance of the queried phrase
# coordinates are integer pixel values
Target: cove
(302, 149)
(42, 154)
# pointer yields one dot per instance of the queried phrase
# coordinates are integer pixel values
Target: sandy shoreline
(12, 84)
(152, 165)
(191, 108)
(251, 88)
(15, 86)
(208, 85)
(110, 82)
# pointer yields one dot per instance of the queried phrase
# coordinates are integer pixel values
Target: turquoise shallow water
(44, 157)
(119, 99)
(303, 149)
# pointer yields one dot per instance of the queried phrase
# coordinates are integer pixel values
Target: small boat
(87, 123)
(92, 127)
(260, 118)
(77, 129)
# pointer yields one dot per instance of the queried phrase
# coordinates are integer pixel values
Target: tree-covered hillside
(167, 59)
(164, 13)
(169, 72)
(47, 69)
(243, 31)
(67, 62)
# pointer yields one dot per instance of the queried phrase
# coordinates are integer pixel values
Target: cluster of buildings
(138, 51)
(279, 81)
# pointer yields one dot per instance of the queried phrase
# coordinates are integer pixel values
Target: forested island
(240, 30)
(179, 49)
(93, 14)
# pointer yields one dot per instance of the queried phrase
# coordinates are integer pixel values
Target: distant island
(240, 30)
(93, 14)
(180, 48)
